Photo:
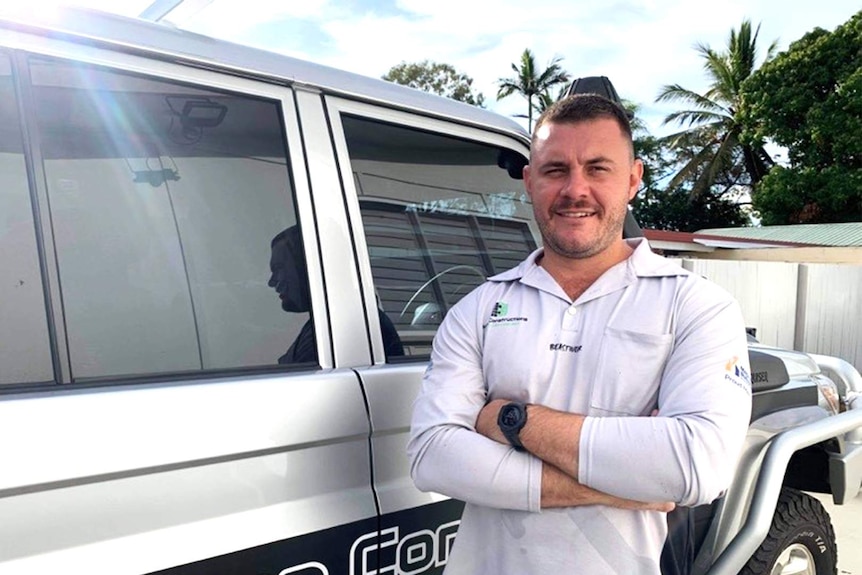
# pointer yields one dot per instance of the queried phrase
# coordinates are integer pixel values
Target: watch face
(510, 416)
(511, 419)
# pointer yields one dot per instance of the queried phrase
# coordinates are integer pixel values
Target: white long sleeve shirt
(646, 335)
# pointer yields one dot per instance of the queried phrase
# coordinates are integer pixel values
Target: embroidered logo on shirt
(499, 313)
(501, 308)
(737, 374)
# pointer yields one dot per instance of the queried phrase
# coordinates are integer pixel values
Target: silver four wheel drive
(805, 435)
(221, 270)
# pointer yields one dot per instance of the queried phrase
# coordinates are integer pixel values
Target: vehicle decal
(410, 542)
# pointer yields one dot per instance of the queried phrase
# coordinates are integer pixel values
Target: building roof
(836, 235)
(701, 242)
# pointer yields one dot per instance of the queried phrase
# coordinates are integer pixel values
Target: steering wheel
(478, 272)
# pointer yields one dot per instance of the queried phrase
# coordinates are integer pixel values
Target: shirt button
(572, 310)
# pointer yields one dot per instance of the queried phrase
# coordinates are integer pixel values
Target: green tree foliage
(724, 160)
(809, 100)
(673, 208)
(530, 82)
(437, 78)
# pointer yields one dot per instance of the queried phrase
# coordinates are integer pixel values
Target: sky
(641, 45)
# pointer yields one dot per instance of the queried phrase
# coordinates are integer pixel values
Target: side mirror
(513, 163)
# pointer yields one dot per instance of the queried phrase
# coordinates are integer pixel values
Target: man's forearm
(561, 490)
(464, 465)
(552, 436)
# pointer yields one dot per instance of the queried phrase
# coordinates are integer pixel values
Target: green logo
(501, 308)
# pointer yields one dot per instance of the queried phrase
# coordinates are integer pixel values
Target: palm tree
(545, 99)
(713, 117)
(529, 82)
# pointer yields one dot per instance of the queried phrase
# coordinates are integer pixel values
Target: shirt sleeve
(447, 455)
(688, 452)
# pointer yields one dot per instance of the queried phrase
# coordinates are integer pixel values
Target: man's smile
(575, 212)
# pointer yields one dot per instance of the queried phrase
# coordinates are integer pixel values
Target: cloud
(626, 41)
(232, 19)
(640, 45)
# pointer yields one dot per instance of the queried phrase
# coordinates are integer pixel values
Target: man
(620, 379)
(290, 281)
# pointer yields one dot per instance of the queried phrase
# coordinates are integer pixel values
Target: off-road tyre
(799, 520)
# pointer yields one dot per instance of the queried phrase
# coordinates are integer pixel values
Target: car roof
(165, 42)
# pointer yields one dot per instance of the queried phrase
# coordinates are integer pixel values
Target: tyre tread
(794, 510)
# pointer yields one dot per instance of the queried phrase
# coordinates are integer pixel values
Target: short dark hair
(583, 108)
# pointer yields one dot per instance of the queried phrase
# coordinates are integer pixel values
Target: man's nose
(576, 185)
(273, 281)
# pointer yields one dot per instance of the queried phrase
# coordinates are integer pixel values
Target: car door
(152, 424)
(433, 215)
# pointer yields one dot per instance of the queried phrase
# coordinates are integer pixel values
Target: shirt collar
(643, 262)
(646, 263)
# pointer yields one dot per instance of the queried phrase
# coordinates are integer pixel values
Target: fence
(810, 307)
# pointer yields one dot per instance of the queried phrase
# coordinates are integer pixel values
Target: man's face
(284, 279)
(581, 178)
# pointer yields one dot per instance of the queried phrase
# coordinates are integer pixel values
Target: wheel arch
(808, 468)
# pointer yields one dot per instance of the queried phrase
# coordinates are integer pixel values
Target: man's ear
(527, 182)
(635, 178)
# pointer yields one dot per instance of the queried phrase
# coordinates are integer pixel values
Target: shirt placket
(572, 318)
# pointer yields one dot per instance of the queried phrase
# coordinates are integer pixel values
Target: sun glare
(50, 9)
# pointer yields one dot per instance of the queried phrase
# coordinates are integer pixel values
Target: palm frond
(691, 168)
(711, 117)
(693, 117)
(676, 93)
(507, 87)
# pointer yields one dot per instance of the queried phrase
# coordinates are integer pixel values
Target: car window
(24, 344)
(440, 215)
(168, 204)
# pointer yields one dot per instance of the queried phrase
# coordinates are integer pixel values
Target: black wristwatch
(511, 420)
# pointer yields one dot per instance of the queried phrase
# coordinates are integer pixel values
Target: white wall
(830, 315)
(809, 307)
(766, 292)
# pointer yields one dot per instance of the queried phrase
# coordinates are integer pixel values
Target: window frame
(27, 156)
(336, 107)
(420, 228)
(21, 48)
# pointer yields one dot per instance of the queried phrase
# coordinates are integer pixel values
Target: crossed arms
(683, 455)
(553, 437)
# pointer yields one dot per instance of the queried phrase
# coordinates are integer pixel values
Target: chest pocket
(629, 372)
